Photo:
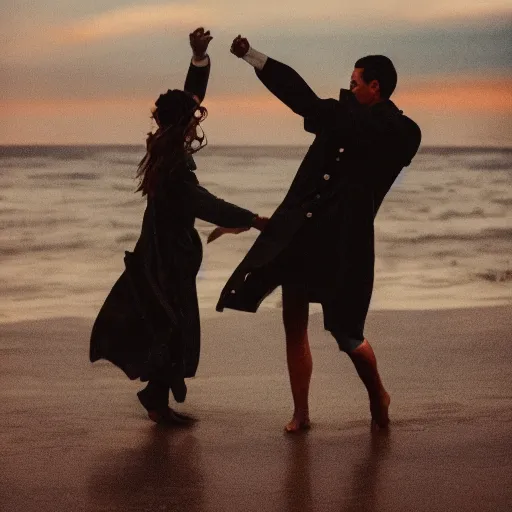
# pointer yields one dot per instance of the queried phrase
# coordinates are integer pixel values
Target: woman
(149, 324)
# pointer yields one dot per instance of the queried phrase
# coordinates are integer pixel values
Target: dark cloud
(146, 64)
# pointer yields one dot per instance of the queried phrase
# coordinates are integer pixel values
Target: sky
(75, 72)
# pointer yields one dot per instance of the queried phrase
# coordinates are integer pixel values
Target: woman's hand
(218, 232)
(199, 41)
(258, 223)
(240, 46)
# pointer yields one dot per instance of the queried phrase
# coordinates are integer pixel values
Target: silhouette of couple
(318, 245)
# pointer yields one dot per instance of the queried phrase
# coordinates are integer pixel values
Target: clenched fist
(240, 46)
(199, 41)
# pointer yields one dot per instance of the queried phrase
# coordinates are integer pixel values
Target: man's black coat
(326, 219)
(149, 324)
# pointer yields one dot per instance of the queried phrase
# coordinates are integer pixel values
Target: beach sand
(74, 438)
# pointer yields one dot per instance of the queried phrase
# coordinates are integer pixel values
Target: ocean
(68, 213)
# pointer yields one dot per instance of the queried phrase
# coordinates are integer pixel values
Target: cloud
(440, 109)
(268, 24)
(467, 94)
(459, 94)
(363, 12)
(108, 65)
(147, 64)
(136, 19)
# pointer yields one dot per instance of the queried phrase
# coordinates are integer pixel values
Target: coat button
(309, 215)
(317, 196)
(233, 292)
(341, 150)
(326, 177)
(337, 159)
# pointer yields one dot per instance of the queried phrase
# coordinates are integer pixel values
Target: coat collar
(386, 106)
(381, 108)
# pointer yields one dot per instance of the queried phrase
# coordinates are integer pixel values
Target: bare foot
(379, 410)
(297, 424)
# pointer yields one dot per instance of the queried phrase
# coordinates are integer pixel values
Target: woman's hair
(175, 138)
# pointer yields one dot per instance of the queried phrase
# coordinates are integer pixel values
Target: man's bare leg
(365, 362)
(298, 354)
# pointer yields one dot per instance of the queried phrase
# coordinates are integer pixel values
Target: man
(319, 243)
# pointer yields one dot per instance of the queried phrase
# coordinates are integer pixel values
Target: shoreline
(208, 314)
(141, 146)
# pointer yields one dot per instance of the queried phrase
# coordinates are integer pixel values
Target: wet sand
(74, 438)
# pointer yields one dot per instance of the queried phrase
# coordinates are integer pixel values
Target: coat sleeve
(212, 209)
(197, 80)
(289, 87)
(365, 131)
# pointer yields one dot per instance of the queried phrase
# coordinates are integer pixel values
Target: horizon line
(138, 145)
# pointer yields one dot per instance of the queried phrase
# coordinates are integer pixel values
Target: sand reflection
(321, 478)
(163, 473)
(298, 489)
(364, 488)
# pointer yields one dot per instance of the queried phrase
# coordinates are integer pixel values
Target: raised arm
(282, 81)
(199, 69)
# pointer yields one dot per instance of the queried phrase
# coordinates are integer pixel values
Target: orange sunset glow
(469, 96)
(91, 74)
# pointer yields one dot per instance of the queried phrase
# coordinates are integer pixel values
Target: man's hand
(199, 41)
(259, 223)
(240, 46)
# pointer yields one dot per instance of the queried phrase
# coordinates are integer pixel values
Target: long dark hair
(178, 116)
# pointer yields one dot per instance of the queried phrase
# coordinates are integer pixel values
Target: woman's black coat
(149, 323)
(326, 219)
